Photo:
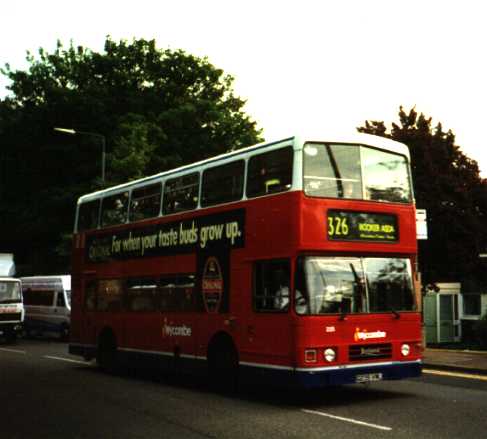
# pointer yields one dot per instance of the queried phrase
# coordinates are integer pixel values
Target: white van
(11, 308)
(47, 302)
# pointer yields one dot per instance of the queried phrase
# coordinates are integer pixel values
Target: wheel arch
(221, 339)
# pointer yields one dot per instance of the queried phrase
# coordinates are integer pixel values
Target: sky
(318, 65)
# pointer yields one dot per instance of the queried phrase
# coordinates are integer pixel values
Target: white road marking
(352, 421)
(68, 360)
(470, 376)
(14, 351)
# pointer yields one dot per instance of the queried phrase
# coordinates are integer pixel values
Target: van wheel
(223, 364)
(11, 337)
(64, 333)
(106, 356)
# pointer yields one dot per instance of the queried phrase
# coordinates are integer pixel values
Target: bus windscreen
(354, 286)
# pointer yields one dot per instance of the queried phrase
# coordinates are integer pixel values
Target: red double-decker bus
(291, 261)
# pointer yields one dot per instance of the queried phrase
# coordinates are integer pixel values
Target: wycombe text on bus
(291, 261)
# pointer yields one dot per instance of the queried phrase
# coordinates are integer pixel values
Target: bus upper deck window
(114, 209)
(88, 215)
(181, 193)
(223, 184)
(270, 172)
(145, 202)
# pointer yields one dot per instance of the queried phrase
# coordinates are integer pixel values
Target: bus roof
(348, 138)
(357, 138)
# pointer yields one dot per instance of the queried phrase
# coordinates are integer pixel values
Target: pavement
(466, 361)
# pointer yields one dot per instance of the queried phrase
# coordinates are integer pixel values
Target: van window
(60, 302)
(10, 292)
(38, 298)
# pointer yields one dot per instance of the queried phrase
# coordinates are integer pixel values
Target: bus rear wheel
(106, 355)
(223, 364)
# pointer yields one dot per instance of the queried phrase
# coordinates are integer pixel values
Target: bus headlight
(330, 355)
(405, 350)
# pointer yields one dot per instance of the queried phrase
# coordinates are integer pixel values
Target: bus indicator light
(310, 356)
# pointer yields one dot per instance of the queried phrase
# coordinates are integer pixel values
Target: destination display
(361, 226)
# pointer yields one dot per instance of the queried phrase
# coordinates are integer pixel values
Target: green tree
(448, 185)
(157, 109)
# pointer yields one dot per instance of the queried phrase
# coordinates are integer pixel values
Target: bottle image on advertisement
(212, 285)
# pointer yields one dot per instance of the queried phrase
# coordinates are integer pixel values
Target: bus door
(267, 332)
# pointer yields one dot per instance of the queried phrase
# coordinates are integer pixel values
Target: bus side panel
(266, 338)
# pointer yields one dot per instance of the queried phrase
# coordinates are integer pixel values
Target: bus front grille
(370, 352)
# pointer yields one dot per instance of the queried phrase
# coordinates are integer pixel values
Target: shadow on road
(332, 396)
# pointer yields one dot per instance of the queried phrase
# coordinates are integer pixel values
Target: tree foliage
(448, 185)
(157, 109)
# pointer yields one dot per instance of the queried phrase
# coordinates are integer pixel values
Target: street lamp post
(98, 136)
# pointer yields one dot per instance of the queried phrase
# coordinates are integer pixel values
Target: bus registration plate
(368, 377)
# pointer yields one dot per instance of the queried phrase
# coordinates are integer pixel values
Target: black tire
(64, 333)
(223, 364)
(11, 337)
(106, 355)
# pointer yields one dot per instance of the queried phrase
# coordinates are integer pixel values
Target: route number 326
(337, 226)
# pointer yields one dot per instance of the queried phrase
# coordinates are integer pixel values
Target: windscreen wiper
(360, 289)
(336, 170)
